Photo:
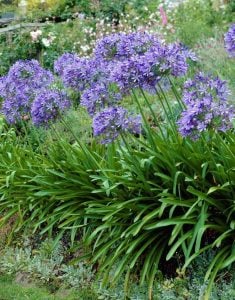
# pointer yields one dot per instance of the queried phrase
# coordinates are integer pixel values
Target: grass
(10, 290)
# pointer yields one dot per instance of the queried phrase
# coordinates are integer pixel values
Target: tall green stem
(145, 120)
(178, 98)
(153, 114)
(173, 127)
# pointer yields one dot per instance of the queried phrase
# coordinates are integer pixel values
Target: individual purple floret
(229, 40)
(48, 106)
(19, 87)
(206, 103)
(113, 121)
(187, 52)
(64, 61)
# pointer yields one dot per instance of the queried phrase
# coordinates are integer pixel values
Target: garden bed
(117, 155)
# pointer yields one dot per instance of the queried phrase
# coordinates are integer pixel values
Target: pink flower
(35, 35)
(163, 16)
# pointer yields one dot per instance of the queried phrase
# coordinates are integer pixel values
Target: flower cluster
(91, 78)
(120, 63)
(147, 69)
(142, 59)
(79, 73)
(113, 121)
(98, 97)
(48, 105)
(207, 107)
(129, 60)
(229, 40)
(20, 86)
(120, 46)
(65, 60)
(36, 36)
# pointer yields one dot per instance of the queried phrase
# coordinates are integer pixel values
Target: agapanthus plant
(229, 40)
(113, 121)
(207, 108)
(20, 86)
(124, 61)
(48, 106)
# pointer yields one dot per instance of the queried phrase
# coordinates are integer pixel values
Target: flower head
(229, 40)
(83, 73)
(20, 86)
(121, 46)
(99, 96)
(48, 105)
(206, 103)
(147, 69)
(64, 61)
(113, 121)
(35, 35)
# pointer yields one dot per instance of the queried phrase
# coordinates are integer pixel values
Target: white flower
(35, 35)
(46, 42)
(85, 48)
(81, 16)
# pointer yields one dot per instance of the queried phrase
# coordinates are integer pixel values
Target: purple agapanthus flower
(64, 61)
(124, 61)
(121, 46)
(207, 107)
(174, 61)
(99, 96)
(48, 106)
(113, 121)
(76, 75)
(142, 60)
(83, 73)
(19, 87)
(128, 74)
(106, 48)
(147, 69)
(91, 78)
(229, 40)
